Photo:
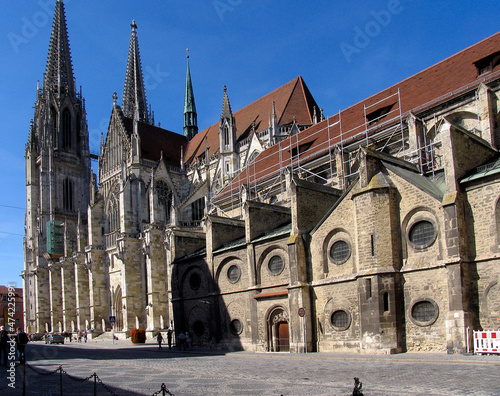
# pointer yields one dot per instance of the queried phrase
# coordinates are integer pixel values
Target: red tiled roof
(292, 100)
(155, 140)
(443, 81)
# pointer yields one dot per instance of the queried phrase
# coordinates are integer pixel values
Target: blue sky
(345, 51)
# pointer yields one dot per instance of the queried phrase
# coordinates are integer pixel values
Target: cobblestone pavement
(127, 369)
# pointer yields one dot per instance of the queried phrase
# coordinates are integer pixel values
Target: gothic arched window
(68, 195)
(113, 214)
(66, 129)
(164, 198)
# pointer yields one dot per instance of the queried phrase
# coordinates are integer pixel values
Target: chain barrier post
(24, 380)
(60, 379)
(95, 384)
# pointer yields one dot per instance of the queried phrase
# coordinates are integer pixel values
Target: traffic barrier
(487, 341)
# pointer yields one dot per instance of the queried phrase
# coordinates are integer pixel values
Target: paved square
(127, 369)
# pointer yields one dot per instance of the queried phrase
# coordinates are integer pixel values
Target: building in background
(275, 229)
(11, 308)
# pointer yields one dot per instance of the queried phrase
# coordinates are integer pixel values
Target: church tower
(190, 116)
(57, 187)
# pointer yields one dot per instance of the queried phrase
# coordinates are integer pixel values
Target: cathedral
(374, 230)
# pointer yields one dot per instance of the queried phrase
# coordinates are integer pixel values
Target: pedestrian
(85, 335)
(188, 341)
(182, 340)
(159, 340)
(21, 341)
(169, 337)
(4, 339)
(79, 336)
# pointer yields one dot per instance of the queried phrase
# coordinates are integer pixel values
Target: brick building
(11, 308)
(378, 224)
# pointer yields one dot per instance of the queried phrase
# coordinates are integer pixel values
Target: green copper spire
(190, 117)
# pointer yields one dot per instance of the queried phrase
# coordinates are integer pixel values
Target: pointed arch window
(164, 198)
(66, 129)
(53, 123)
(113, 214)
(225, 136)
(68, 195)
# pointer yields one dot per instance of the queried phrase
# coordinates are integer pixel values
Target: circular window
(422, 234)
(234, 274)
(236, 326)
(195, 281)
(340, 319)
(340, 252)
(198, 328)
(276, 265)
(424, 312)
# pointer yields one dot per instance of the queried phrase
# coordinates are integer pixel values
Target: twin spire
(134, 94)
(59, 76)
(59, 72)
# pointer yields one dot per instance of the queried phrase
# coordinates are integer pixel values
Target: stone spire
(190, 116)
(226, 106)
(134, 93)
(59, 72)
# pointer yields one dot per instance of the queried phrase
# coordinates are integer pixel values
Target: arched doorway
(117, 308)
(278, 331)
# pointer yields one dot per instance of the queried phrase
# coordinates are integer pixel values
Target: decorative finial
(133, 25)
(115, 98)
(225, 88)
(187, 53)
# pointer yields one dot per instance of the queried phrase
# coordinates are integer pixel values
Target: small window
(422, 234)
(236, 326)
(340, 252)
(386, 302)
(340, 320)
(276, 265)
(424, 312)
(195, 281)
(378, 114)
(234, 274)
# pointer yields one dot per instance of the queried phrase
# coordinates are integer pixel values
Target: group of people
(184, 340)
(81, 335)
(20, 339)
(159, 338)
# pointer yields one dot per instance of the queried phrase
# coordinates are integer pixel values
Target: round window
(276, 265)
(340, 252)
(236, 326)
(424, 312)
(234, 273)
(422, 233)
(340, 320)
(195, 281)
(198, 328)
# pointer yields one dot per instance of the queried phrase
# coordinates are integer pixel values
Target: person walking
(21, 341)
(169, 337)
(4, 339)
(159, 340)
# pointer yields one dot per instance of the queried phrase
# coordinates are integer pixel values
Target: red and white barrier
(487, 341)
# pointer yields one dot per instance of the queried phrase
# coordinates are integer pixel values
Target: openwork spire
(134, 93)
(59, 72)
(190, 116)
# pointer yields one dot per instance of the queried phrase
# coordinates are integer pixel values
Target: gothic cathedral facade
(275, 229)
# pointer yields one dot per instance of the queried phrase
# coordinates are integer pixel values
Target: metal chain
(40, 373)
(76, 378)
(103, 385)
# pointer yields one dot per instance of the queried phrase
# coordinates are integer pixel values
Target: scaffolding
(383, 128)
